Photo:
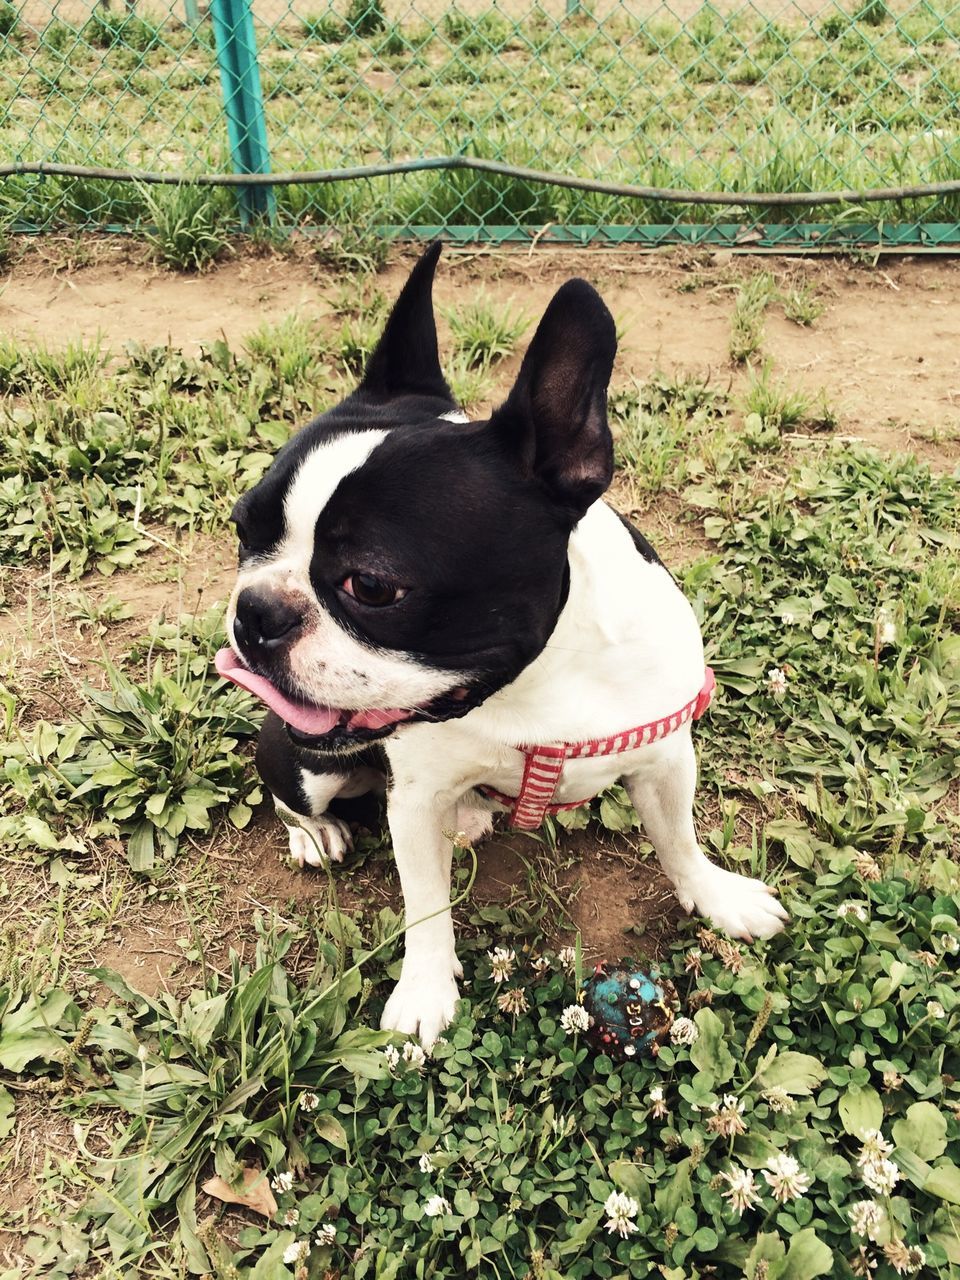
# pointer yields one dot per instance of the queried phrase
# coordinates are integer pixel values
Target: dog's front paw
(317, 841)
(422, 1003)
(741, 907)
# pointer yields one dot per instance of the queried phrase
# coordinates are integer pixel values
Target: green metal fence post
(243, 103)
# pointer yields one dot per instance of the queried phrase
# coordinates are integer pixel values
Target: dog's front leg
(662, 794)
(425, 999)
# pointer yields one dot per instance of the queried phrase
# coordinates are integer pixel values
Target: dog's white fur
(626, 650)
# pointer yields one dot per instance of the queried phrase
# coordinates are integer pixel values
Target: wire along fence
(439, 118)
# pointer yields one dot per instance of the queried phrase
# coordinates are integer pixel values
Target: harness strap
(543, 765)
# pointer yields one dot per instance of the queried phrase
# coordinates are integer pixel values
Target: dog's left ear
(406, 360)
(554, 421)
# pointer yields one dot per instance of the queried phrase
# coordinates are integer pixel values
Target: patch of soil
(885, 352)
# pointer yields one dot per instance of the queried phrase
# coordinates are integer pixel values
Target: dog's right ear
(554, 422)
(406, 360)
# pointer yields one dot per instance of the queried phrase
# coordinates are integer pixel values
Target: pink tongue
(305, 716)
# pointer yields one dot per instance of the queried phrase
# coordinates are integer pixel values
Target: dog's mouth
(311, 722)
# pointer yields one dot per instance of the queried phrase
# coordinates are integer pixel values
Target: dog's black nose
(264, 621)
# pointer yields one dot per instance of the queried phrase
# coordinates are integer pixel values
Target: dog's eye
(369, 590)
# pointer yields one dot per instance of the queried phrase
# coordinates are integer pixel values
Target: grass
(730, 101)
(833, 564)
(188, 225)
(746, 323)
(484, 331)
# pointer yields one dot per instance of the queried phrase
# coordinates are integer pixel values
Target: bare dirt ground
(885, 353)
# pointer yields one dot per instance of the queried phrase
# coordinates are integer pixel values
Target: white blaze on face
(327, 665)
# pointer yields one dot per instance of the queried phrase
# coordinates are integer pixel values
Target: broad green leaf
(860, 1109)
(923, 1131)
(946, 1234)
(675, 1191)
(331, 1130)
(768, 1248)
(200, 1019)
(944, 1182)
(270, 1265)
(626, 1176)
(806, 1257)
(796, 1073)
(710, 1052)
(19, 1048)
(140, 847)
(6, 1112)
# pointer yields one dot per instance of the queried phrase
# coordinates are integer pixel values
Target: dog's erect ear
(406, 360)
(555, 419)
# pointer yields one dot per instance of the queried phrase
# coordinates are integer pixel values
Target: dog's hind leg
(662, 794)
(303, 784)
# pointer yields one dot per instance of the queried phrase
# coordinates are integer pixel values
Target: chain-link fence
(730, 98)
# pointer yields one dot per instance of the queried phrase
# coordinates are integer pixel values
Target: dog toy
(631, 1010)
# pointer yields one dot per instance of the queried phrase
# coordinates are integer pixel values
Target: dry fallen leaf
(255, 1193)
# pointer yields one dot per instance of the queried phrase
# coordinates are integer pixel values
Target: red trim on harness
(543, 765)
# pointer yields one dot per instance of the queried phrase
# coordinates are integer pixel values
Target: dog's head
(397, 564)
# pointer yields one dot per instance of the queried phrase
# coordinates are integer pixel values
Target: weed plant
(746, 326)
(188, 225)
(144, 758)
(485, 331)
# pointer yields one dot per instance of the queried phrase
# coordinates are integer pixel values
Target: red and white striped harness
(543, 765)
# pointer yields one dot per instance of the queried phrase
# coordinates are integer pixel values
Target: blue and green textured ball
(631, 1010)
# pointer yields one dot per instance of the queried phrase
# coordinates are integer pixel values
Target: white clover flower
(778, 1100)
(935, 1009)
(540, 965)
(658, 1107)
(282, 1181)
(309, 1102)
(512, 1001)
(502, 960)
(875, 1147)
(684, 1031)
(142, 1053)
(866, 1217)
(296, 1252)
(880, 1176)
(621, 1210)
(886, 628)
(852, 909)
(326, 1235)
(425, 1163)
(786, 1179)
(413, 1055)
(905, 1259)
(788, 618)
(291, 1217)
(574, 1018)
(741, 1192)
(727, 1117)
(436, 1207)
(567, 957)
(777, 681)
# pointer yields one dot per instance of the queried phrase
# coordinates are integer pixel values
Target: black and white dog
(458, 595)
